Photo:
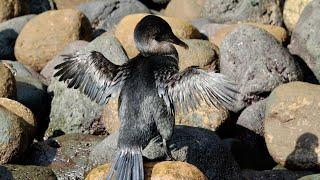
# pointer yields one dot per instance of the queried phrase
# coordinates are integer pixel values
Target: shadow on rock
(7, 41)
(5, 174)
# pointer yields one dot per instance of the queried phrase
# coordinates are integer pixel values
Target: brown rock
(185, 10)
(110, 116)
(278, 32)
(125, 29)
(11, 8)
(70, 4)
(292, 11)
(292, 125)
(7, 82)
(48, 33)
(168, 170)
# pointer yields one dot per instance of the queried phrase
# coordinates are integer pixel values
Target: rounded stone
(292, 11)
(292, 125)
(230, 11)
(13, 138)
(256, 70)
(70, 4)
(11, 8)
(310, 177)
(305, 41)
(48, 33)
(185, 10)
(7, 82)
(125, 29)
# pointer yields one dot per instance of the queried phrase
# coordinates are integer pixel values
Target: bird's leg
(167, 150)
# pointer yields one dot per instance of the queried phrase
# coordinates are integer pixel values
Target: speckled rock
(13, 137)
(66, 155)
(292, 125)
(305, 40)
(273, 174)
(124, 31)
(7, 82)
(310, 177)
(9, 31)
(40, 6)
(156, 170)
(47, 34)
(197, 146)
(230, 11)
(252, 117)
(292, 11)
(11, 8)
(257, 70)
(70, 4)
(185, 10)
(104, 15)
(10, 172)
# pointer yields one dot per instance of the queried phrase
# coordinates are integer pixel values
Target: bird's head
(154, 36)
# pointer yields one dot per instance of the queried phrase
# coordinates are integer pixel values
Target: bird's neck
(154, 48)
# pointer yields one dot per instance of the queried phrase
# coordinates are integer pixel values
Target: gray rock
(11, 172)
(104, 15)
(9, 31)
(305, 40)
(310, 177)
(230, 11)
(40, 6)
(252, 117)
(257, 62)
(274, 174)
(197, 146)
(66, 155)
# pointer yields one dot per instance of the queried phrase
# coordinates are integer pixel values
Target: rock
(310, 177)
(71, 4)
(110, 115)
(197, 146)
(7, 82)
(180, 9)
(256, 70)
(292, 125)
(230, 11)
(292, 11)
(66, 155)
(40, 6)
(304, 40)
(11, 8)
(47, 34)
(124, 31)
(20, 110)
(104, 15)
(217, 37)
(9, 172)
(156, 170)
(252, 117)
(273, 174)
(9, 31)
(71, 48)
(13, 137)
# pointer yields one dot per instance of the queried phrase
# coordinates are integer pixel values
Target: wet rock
(197, 146)
(10, 172)
(185, 10)
(253, 116)
(66, 155)
(156, 170)
(273, 174)
(9, 31)
(292, 125)
(104, 15)
(257, 70)
(13, 137)
(229, 11)
(305, 40)
(7, 82)
(11, 8)
(47, 34)
(40, 6)
(124, 31)
(292, 11)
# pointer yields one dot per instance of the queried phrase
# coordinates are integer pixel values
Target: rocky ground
(271, 48)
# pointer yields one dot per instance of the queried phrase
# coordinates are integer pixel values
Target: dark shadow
(308, 75)
(304, 155)
(37, 7)
(151, 5)
(7, 41)
(5, 174)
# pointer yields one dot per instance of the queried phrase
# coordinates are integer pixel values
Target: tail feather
(128, 165)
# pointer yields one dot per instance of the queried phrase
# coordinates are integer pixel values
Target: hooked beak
(175, 40)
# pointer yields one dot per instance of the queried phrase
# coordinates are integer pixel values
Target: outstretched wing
(93, 74)
(187, 88)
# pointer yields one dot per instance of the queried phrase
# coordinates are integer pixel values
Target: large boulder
(305, 40)
(48, 33)
(292, 125)
(257, 70)
(230, 11)
(292, 11)
(7, 82)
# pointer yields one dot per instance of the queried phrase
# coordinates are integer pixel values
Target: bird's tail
(128, 165)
